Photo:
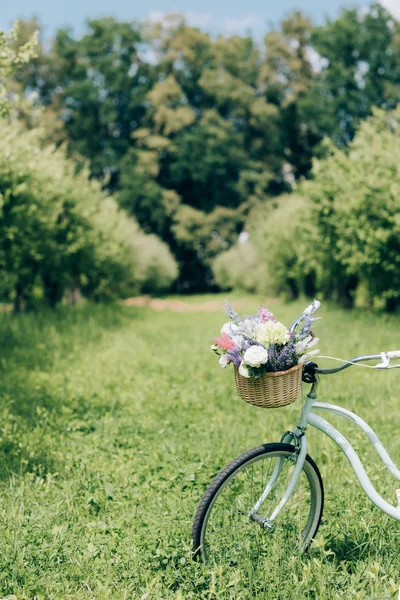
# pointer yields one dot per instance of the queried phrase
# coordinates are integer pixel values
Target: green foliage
(194, 167)
(282, 234)
(355, 202)
(99, 84)
(361, 50)
(107, 445)
(239, 268)
(191, 130)
(276, 260)
(11, 59)
(155, 267)
(180, 124)
(341, 238)
(199, 237)
(59, 230)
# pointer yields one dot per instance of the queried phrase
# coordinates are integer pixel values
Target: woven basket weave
(270, 390)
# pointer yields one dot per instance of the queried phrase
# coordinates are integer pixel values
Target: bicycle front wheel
(226, 527)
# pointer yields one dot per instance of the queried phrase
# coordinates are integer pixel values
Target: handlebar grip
(311, 308)
(393, 354)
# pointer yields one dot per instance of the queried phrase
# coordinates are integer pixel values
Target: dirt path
(181, 306)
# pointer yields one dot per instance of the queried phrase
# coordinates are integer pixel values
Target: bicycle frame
(309, 418)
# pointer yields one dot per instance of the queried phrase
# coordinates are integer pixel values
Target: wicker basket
(270, 390)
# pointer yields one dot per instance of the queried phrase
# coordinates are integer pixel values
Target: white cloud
(195, 19)
(240, 25)
(393, 6)
(156, 15)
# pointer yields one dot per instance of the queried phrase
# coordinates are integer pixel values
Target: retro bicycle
(270, 499)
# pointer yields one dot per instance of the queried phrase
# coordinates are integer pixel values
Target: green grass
(113, 422)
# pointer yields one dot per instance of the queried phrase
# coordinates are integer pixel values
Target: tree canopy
(191, 131)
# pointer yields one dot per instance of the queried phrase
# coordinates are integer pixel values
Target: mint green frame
(298, 437)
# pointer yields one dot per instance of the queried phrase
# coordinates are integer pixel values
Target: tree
(208, 140)
(189, 130)
(97, 85)
(285, 75)
(11, 59)
(361, 70)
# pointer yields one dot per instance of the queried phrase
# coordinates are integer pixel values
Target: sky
(222, 16)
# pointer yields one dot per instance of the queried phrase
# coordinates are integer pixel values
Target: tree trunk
(391, 305)
(20, 300)
(293, 289)
(346, 291)
(53, 291)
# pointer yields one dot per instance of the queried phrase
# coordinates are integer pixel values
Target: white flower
(301, 346)
(214, 347)
(243, 371)
(305, 344)
(313, 343)
(224, 361)
(255, 356)
(307, 356)
(231, 330)
(272, 332)
(249, 327)
(227, 328)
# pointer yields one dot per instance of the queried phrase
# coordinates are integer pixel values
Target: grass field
(115, 419)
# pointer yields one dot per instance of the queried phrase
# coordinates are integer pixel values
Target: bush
(343, 241)
(275, 260)
(282, 236)
(238, 268)
(156, 268)
(199, 238)
(355, 205)
(59, 230)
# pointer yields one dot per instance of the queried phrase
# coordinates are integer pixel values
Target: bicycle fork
(299, 456)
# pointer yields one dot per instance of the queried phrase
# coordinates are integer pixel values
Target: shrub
(282, 237)
(355, 205)
(58, 229)
(275, 261)
(156, 268)
(238, 268)
(341, 238)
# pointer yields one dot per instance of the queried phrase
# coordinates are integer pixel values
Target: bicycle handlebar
(384, 356)
(311, 308)
(307, 312)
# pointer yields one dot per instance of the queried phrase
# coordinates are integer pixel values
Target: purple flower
(234, 356)
(231, 313)
(283, 358)
(306, 328)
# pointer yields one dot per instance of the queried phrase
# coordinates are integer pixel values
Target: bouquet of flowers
(259, 344)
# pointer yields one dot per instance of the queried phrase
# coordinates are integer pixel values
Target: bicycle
(271, 497)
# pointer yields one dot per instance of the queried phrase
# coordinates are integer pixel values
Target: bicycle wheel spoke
(233, 535)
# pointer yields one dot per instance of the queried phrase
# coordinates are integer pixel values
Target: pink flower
(265, 314)
(225, 342)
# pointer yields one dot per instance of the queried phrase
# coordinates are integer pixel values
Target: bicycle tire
(236, 466)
